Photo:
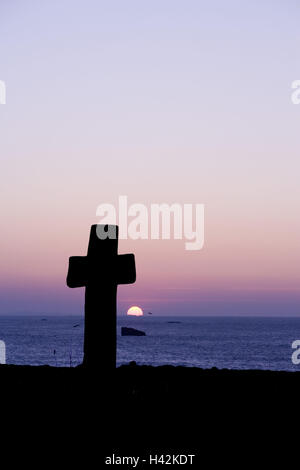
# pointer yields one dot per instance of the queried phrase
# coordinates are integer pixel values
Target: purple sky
(162, 101)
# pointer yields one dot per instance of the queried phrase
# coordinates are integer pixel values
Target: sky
(161, 101)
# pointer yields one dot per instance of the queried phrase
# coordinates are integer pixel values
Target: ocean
(222, 342)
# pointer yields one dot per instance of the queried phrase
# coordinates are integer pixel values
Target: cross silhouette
(100, 272)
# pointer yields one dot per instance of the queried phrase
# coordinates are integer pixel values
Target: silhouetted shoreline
(133, 377)
(131, 386)
(141, 408)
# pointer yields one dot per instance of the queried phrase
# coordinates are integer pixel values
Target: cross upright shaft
(100, 272)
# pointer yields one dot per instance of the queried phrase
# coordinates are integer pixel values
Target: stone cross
(100, 272)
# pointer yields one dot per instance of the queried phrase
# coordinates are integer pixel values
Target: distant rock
(131, 332)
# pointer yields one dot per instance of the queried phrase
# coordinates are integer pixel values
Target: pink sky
(164, 103)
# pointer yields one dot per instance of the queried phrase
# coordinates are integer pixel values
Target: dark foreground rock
(221, 415)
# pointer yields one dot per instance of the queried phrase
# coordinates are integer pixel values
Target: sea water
(222, 342)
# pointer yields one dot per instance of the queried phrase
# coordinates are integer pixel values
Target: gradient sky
(162, 101)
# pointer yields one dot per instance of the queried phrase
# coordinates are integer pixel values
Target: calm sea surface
(230, 342)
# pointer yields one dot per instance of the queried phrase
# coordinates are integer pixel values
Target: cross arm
(78, 271)
(126, 273)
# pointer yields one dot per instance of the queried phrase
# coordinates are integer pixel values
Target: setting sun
(137, 311)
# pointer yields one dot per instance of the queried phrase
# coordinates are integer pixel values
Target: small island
(131, 332)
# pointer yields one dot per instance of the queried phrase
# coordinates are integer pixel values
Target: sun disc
(136, 311)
